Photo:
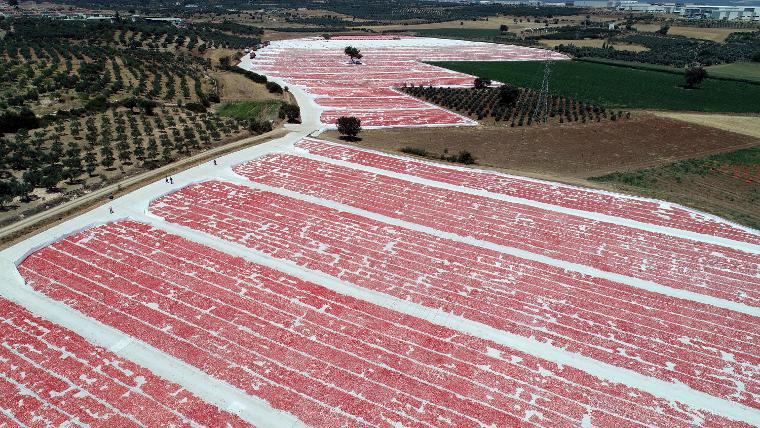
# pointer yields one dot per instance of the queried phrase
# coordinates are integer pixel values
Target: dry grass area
(594, 43)
(236, 87)
(714, 34)
(215, 54)
(493, 23)
(746, 125)
(566, 152)
(271, 35)
(717, 193)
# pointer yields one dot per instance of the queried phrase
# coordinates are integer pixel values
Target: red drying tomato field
(306, 283)
(366, 90)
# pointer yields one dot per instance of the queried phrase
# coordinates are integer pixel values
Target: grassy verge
(635, 65)
(726, 184)
(250, 110)
(620, 87)
(739, 70)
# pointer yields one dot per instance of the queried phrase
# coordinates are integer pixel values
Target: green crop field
(620, 87)
(247, 110)
(737, 70)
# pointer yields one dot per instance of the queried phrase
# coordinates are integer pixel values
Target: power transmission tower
(541, 112)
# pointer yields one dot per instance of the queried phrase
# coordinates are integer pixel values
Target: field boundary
(656, 68)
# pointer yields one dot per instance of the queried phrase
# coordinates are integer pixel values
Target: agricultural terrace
(620, 87)
(86, 104)
(367, 90)
(305, 283)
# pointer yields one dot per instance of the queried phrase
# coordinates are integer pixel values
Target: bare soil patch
(566, 152)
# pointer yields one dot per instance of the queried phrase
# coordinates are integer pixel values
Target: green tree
(124, 152)
(90, 160)
(508, 95)
(106, 156)
(349, 126)
(481, 82)
(8, 189)
(152, 151)
(73, 163)
(51, 175)
(353, 53)
(139, 148)
(24, 190)
(291, 111)
(694, 75)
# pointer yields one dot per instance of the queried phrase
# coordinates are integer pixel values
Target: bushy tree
(291, 111)
(349, 126)
(354, 54)
(73, 162)
(481, 82)
(694, 75)
(508, 94)
(8, 189)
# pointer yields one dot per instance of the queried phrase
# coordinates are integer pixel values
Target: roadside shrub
(259, 126)
(274, 88)
(290, 111)
(414, 151)
(464, 157)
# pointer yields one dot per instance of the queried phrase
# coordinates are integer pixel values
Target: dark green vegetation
(731, 180)
(514, 106)
(620, 87)
(83, 104)
(70, 68)
(463, 157)
(492, 35)
(373, 11)
(676, 51)
(462, 33)
(577, 32)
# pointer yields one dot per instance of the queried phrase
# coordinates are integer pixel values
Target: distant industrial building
(688, 11)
